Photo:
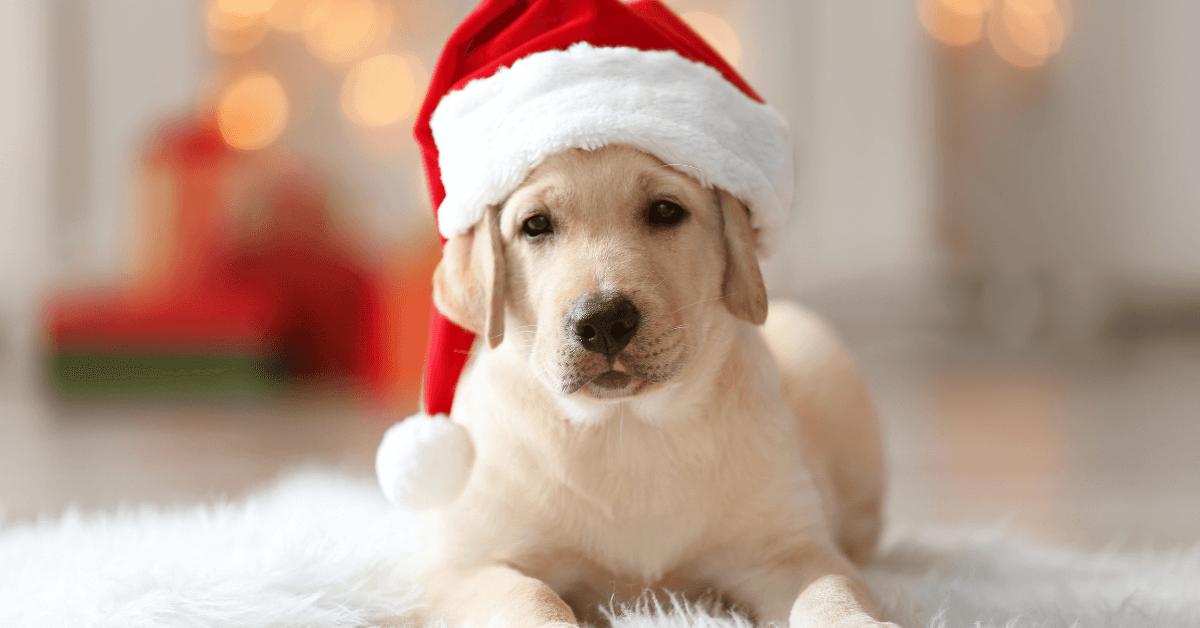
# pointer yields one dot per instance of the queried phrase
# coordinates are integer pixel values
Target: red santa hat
(520, 80)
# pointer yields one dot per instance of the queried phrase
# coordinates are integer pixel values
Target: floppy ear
(468, 285)
(745, 294)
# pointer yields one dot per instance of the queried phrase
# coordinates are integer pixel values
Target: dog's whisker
(592, 378)
(649, 277)
(704, 301)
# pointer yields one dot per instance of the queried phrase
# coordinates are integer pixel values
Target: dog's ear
(744, 292)
(468, 285)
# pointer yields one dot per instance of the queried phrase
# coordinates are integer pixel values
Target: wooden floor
(1092, 449)
(1098, 449)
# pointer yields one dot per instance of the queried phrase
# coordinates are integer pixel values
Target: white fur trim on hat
(424, 461)
(495, 130)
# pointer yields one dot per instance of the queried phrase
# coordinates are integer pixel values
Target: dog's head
(607, 268)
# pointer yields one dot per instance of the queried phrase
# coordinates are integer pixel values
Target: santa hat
(520, 80)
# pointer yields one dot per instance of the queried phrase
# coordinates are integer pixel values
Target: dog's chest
(637, 497)
(640, 499)
(642, 540)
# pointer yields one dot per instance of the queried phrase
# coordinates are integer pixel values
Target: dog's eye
(535, 226)
(665, 213)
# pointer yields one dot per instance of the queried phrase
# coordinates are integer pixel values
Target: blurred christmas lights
(953, 22)
(1022, 32)
(338, 31)
(253, 111)
(381, 90)
(287, 15)
(232, 33)
(245, 7)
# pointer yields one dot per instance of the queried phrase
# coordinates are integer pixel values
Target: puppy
(636, 430)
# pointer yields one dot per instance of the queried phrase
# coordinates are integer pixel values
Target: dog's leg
(820, 593)
(493, 596)
(843, 448)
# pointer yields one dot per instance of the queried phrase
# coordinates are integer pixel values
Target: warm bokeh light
(381, 90)
(1036, 26)
(1022, 32)
(414, 16)
(1059, 23)
(244, 7)
(288, 15)
(953, 22)
(718, 33)
(253, 111)
(338, 31)
(1026, 27)
(232, 33)
(1000, 35)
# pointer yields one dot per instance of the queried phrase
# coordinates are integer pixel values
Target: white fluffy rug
(326, 551)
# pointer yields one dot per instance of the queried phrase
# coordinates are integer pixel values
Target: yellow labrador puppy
(637, 428)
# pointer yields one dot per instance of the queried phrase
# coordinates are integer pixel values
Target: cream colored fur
(742, 459)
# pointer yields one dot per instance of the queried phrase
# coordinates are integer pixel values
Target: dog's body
(707, 455)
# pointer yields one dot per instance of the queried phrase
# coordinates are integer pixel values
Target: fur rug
(326, 551)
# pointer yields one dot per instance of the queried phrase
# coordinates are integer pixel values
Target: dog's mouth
(612, 380)
(611, 384)
(640, 368)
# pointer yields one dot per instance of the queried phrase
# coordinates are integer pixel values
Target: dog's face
(607, 268)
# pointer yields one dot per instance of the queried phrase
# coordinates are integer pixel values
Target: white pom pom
(424, 461)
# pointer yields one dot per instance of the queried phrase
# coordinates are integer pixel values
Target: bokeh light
(718, 33)
(1036, 26)
(338, 31)
(232, 33)
(253, 111)
(287, 15)
(381, 90)
(244, 7)
(1026, 28)
(414, 16)
(1022, 32)
(1059, 22)
(1022, 55)
(953, 22)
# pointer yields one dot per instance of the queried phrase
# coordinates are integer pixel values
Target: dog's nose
(604, 322)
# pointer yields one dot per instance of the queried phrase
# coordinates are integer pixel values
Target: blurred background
(215, 243)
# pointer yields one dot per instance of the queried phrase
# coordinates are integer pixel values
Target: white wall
(1160, 243)
(24, 227)
(1079, 182)
(145, 60)
(851, 76)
